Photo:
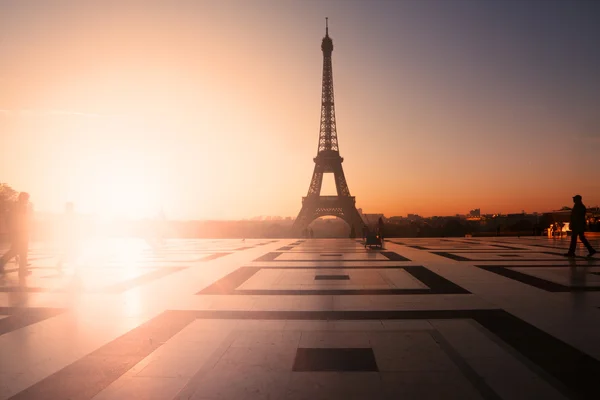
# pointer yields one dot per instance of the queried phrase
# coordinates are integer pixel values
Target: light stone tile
(334, 385)
(175, 365)
(370, 325)
(308, 325)
(407, 325)
(337, 339)
(428, 385)
(255, 338)
(233, 302)
(242, 382)
(262, 325)
(409, 351)
(147, 388)
(269, 358)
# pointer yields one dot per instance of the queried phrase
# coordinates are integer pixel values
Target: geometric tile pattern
(452, 318)
(362, 281)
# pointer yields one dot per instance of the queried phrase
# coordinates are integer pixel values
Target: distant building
(413, 217)
(476, 213)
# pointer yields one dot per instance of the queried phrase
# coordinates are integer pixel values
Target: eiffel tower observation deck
(328, 160)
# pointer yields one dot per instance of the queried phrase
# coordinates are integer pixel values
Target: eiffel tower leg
(305, 217)
(309, 203)
(352, 217)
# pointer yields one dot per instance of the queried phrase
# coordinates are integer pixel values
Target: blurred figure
(380, 226)
(577, 226)
(68, 237)
(19, 234)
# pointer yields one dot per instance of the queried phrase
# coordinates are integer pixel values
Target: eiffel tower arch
(328, 160)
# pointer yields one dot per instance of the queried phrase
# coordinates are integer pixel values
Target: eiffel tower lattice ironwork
(328, 160)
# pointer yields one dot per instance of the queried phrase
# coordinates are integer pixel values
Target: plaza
(422, 318)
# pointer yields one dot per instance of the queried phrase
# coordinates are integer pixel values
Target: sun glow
(122, 184)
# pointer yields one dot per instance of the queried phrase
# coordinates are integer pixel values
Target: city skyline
(211, 111)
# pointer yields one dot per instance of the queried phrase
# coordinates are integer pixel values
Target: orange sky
(211, 110)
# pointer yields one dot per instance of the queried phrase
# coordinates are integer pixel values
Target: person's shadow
(578, 280)
(578, 273)
(19, 297)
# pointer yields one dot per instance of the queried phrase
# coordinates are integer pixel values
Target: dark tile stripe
(499, 252)
(284, 248)
(337, 266)
(437, 283)
(213, 256)
(450, 256)
(229, 283)
(89, 375)
(25, 289)
(332, 277)
(394, 256)
(577, 371)
(461, 258)
(269, 256)
(419, 247)
(328, 292)
(505, 247)
(334, 359)
(243, 248)
(346, 251)
(327, 261)
(539, 265)
(21, 317)
(535, 281)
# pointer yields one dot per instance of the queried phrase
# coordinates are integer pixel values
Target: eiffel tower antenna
(328, 160)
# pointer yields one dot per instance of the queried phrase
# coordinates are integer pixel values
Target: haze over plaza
(211, 110)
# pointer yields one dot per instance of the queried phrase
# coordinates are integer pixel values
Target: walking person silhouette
(19, 227)
(577, 225)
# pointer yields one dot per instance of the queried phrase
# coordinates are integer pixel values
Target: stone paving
(431, 318)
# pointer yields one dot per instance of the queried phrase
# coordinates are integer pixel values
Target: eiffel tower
(328, 160)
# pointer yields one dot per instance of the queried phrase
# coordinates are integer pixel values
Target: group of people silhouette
(308, 233)
(18, 226)
(19, 234)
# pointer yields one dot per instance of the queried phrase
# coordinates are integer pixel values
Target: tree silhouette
(7, 196)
